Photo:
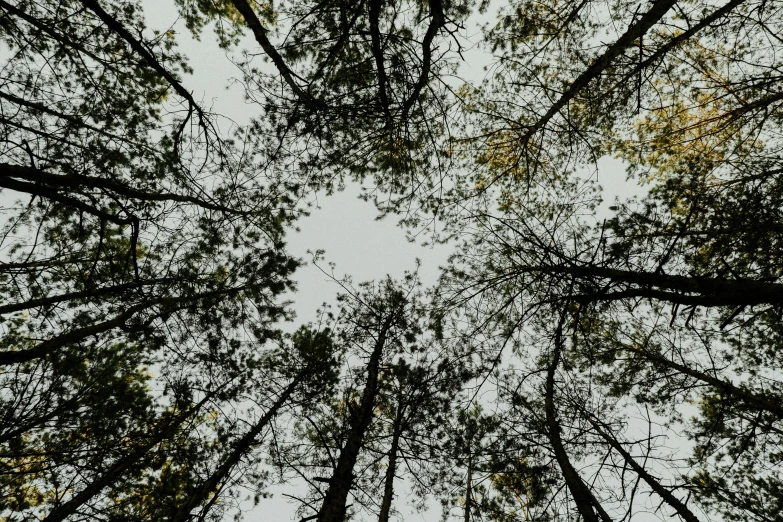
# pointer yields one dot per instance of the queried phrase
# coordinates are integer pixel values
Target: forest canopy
(577, 359)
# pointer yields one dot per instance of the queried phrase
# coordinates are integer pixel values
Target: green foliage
(572, 362)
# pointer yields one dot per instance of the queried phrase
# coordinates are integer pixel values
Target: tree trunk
(770, 404)
(582, 496)
(637, 30)
(696, 291)
(117, 469)
(469, 489)
(656, 486)
(388, 486)
(44, 348)
(333, 507)
(215, 482)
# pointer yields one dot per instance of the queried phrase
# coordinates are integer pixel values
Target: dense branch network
(574, 360)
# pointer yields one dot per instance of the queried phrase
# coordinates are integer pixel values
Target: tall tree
(673, 299)
(355, 91)
(142, 259)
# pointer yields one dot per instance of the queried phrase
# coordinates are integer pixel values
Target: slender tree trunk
(214, 483)
(583, 498)
(260, 34)
(635, 31)
(143, 51)
(656, 486)
(696, 291)
(97, 292)
(116, 470)
(21, 429)
(44, 348)
(770, 404)
(388, 486)
(469, 489)
(55, 195)
(59, 182)
(333, 507)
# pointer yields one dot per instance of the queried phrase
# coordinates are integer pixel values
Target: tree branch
(772, 405)
(708, 291)
(46, 347)
(377, 51)
(654, 484)
(118, 468)
(114, 25)
(636, 30)
(214, 483)
(97, 292)
(260, 34)
(39, 176)
(37, 190)
(437, 21)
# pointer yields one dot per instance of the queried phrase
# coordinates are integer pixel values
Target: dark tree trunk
(695, 291)
(583, 498)
(770, 404)
(116, 470)
(215, 482)
(333, 507)
(636, 31)
(388, 485)
(47, 347)
(656, 486)
(469, 489)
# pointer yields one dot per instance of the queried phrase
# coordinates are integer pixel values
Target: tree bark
(152, 62)
(84, 294)
(633, 33)
(74, 336)
(46, 347)
(260, 34)
(583, 498)
(377, 51)
(388, 486)
(41, 191)
(333, 507)
(682, 37)
(436, 22)
(213, 484)
(46, 184)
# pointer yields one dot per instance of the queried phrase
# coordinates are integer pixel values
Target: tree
(125, 233)
(357, 90)
(682, 283)
(311, 366)
(351, 446)
(140, 270)
(422, 392)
